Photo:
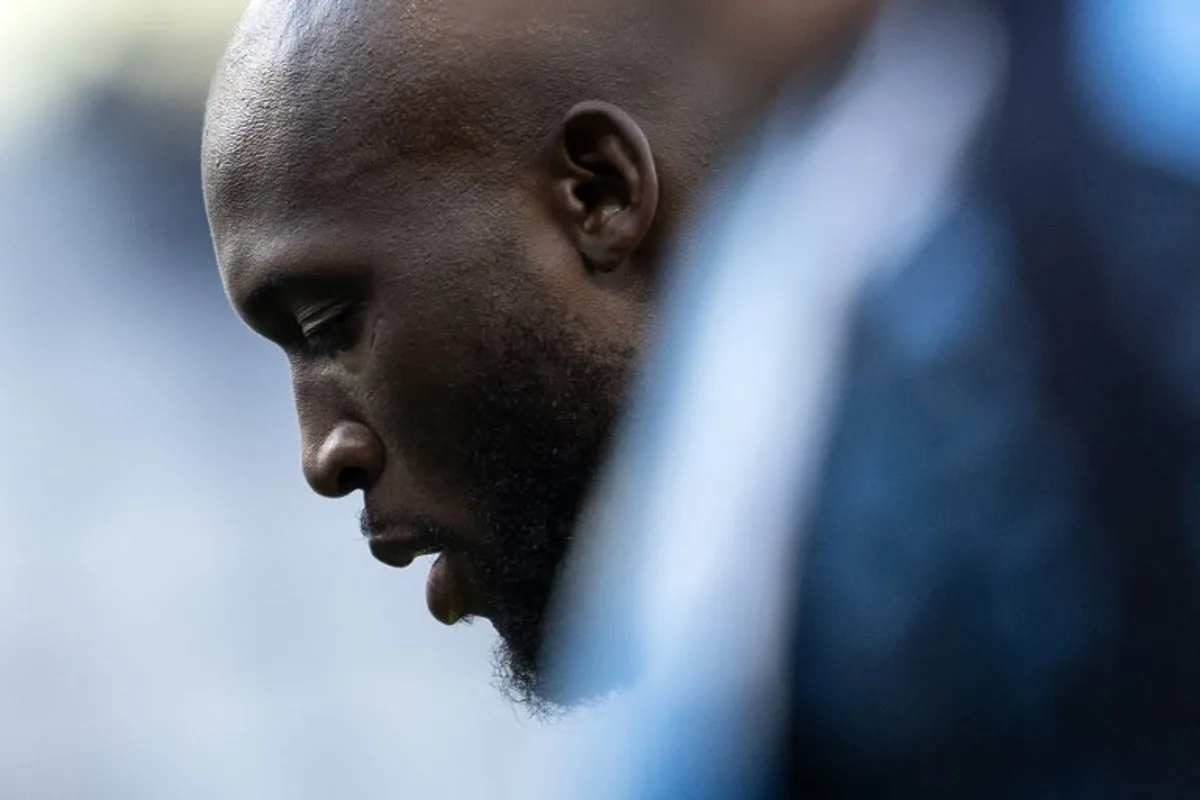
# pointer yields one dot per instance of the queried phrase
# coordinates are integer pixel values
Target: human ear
(604, 183)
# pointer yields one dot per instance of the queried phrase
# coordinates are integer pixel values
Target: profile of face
(459, 269)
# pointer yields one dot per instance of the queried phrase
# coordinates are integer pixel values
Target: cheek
(441, 309)
(608, 309)
(421, 380)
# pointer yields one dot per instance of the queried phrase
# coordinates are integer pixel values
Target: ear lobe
(605, 184)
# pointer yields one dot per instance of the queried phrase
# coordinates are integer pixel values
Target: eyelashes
(332, 333)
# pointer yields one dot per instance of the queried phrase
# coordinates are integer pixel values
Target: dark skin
(766, 42)
(451, 218)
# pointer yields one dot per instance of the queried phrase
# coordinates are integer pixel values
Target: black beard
(545, 420)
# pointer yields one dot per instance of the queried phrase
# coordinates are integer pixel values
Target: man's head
(451, 216)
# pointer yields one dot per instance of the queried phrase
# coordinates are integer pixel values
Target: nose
(350, 457)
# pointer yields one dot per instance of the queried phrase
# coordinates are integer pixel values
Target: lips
(449, 590)
(399, 547)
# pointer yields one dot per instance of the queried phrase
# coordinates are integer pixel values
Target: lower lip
(447, 590)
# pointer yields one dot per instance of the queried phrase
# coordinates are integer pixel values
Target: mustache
(373, 523)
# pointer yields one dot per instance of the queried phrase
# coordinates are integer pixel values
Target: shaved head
(450, 214)
(341, 90)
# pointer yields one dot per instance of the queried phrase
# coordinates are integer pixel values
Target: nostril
(348, 457)
(352, 479)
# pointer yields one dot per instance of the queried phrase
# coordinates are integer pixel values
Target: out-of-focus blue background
(997, 578)
(179, 617)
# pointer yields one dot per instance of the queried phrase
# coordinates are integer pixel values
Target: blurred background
(179, 616)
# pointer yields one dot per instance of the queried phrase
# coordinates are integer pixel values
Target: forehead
(269, 130)
(420, 228)
(291, 184)
(328, 140)
(420, 77)
(276, 196)
(302, 113)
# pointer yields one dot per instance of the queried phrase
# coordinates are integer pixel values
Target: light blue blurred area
(715, 472)
(1139, 66)
(992, 591)
(179, 616)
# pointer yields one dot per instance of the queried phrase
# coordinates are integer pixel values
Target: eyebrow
(265, 294)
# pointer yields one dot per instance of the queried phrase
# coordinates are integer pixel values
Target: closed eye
(331, 332)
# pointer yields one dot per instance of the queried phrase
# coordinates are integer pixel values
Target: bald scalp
(339, 89)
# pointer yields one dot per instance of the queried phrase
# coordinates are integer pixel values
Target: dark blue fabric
(1001, 597)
